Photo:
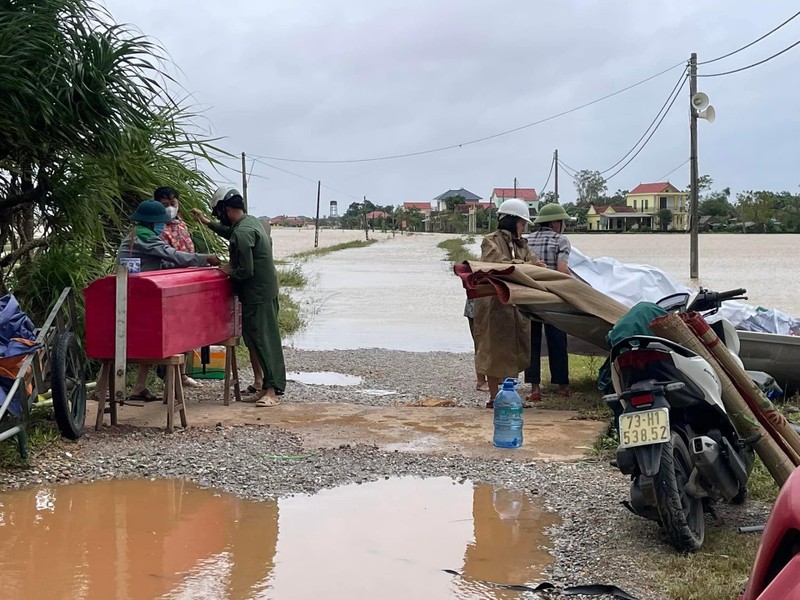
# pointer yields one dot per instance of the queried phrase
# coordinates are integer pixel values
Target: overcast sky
(328, 79)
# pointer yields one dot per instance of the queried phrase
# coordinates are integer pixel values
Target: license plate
(644, 427)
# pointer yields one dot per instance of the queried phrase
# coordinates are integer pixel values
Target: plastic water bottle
(508, 416)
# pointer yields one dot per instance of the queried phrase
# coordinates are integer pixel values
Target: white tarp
(632, 283)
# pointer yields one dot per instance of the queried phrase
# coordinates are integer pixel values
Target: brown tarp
(553, 297)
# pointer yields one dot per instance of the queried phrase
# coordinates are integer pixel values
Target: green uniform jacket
(254, 278)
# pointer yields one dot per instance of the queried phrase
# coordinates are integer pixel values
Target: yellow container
(214, 370)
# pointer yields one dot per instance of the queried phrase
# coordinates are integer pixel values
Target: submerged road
(398, 294)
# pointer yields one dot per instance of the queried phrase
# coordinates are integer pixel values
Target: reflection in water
(133, 539)
(171, 540)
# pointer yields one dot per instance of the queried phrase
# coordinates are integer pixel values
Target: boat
(778, 355)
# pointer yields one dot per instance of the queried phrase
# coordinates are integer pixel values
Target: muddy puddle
(324, 378)
(168, 539)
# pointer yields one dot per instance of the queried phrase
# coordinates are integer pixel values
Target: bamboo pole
(770, 418)
(777, 462)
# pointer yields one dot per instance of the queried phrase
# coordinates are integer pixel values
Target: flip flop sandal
(144, 396)
(267, 402)
(534, 397)
(251, 390)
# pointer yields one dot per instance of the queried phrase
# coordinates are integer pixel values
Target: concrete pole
(693, 200)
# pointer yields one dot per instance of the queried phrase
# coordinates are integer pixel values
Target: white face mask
(172, 212)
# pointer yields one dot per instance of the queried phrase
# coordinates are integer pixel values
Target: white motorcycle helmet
(516, 208)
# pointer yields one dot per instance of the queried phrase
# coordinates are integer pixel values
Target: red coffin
(169, 312)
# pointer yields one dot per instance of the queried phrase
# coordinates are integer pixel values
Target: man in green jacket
(255, 283)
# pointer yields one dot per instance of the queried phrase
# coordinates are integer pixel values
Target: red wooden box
(169, 312)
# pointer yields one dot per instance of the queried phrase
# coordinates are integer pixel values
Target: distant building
(652, 198)
(376, 214)
(423, 207)
(441, 200)
(284, 221)
(607, 217)
(527, 195)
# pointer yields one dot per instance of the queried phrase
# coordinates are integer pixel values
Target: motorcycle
(676, 440)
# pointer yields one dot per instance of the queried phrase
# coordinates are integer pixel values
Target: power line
(258, 160)
(673, 170)
(482, 139)
(761, 62)
(544, 187)
(652, 133)
(566, 166)
(769, 33)
(658, 114)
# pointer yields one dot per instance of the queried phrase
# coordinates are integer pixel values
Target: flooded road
(765, 265)
(400, 294)
(168, 539)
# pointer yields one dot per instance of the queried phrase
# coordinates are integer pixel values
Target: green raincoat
(255, 282)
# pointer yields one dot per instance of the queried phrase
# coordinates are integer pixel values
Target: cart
(56, 370)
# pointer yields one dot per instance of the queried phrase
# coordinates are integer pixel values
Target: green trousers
(261, 333)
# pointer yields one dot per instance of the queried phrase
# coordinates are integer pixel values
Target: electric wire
(652, 133)
(544, 187)
(478, 140)
(755, 64)
(566, 166)
(673, 170)
(769, 33)
(327, 187)
(658, 114)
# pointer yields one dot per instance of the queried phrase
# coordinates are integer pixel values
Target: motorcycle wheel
(681, 515)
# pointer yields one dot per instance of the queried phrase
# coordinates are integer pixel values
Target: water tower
(334, 209)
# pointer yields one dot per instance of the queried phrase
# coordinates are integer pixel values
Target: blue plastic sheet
(13, 324)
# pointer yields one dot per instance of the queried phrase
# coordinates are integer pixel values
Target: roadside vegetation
(456, 249)
(317, 252)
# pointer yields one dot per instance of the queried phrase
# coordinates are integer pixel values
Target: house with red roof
(423, 207)
(528, 195)
(656, 198)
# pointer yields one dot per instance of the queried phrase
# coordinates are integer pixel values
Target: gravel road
(596, 541)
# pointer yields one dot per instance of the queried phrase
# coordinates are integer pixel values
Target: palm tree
(87, 129)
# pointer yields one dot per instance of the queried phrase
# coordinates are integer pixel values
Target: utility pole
(693, 200)
(244, 180)
(515, 187)
(555, 166)
(316, 220)
(366, 226)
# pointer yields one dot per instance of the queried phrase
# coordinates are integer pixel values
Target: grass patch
(289, 318)
(305, 255)
(292, 277)
(586, 398)
(42, 433)
(457, 253)
(761, 486)
(719, 571)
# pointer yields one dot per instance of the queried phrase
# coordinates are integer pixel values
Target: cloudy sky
(355, 79)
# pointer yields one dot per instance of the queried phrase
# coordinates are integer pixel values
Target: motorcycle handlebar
(722, 296)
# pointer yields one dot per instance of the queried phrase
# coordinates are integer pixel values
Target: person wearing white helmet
(502, 334)
(552, 246)
(255, 281)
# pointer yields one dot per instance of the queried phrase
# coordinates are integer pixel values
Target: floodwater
(168, 539)
(400, 294)
(324, 378)
(765, 265)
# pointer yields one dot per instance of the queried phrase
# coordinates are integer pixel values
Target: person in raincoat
(502, 334)
(255, 282)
